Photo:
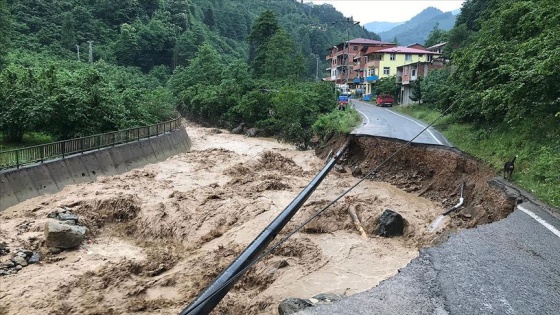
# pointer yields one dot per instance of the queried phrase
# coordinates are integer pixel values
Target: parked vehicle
(384, 100)
(342, 102)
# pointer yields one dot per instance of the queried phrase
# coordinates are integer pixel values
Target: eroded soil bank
(159, 234)
(433, 172)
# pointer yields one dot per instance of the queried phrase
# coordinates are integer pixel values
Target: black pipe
(216, 291)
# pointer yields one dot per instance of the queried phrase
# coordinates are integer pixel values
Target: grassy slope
(537, 169)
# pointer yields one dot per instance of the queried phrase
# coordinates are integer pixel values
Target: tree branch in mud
(356, 221)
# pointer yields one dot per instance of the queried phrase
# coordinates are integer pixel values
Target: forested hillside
(52, 82)
(149, 33)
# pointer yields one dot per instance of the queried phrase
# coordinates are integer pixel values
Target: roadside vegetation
(336, 123)
(501, 88)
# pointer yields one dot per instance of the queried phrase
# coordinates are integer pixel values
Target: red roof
(367, 41)
(406, 50)
(372, 49)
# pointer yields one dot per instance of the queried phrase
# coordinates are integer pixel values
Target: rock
(3, 272)
(55, 250)
(390, 224)
(54, 214)
(293, 305)
(356, 171)
(252, 132)
(281, 264)
(339, 168)
(18, 260)
(35, 258)
(21, 254)
(9, 264)
(239, 129)
(69, 222)
(4, 250)
(68, 216)
(63, 235)
(327, 297)
(27, 252)
(215, 131)
(19, 267)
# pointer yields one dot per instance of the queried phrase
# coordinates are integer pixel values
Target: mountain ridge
(417, 29)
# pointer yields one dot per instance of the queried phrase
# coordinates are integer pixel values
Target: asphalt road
(511, 266)
(384, 122)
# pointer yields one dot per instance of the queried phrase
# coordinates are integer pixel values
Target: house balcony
(372, 78)
(358, 80)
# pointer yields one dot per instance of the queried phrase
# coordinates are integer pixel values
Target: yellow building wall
(400, 60)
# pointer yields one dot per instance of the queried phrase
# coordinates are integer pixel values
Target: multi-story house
(410, 72)
(347, 61)
(384, 62)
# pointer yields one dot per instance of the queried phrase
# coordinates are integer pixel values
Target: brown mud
(158, 235)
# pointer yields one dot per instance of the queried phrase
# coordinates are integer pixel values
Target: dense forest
(75, 67)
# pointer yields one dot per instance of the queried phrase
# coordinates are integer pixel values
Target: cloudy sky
(367, 11)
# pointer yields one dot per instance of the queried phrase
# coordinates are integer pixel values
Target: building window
(413, 72)
(386, 70)
(421, 55)
(355, 47)
(393, 57)
(366, 59)
(408, 57)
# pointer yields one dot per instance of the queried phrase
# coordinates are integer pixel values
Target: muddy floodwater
(159, 234)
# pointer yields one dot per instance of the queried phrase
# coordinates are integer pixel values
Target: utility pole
(90, 42)
(78, 50)
(317, 69)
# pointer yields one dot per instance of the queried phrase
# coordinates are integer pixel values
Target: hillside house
(347, 61)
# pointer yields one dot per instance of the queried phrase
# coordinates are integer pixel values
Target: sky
(366, 11)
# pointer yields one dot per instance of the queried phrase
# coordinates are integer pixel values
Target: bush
(336, 122)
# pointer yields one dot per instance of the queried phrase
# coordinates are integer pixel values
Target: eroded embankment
(433, 172)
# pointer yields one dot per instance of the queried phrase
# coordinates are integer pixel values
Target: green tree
(280, 58)
(22, 102)
(264, 27)
(416, 90)
(68, 31)
(126, 48)
(436, 36)
(434, 88)
(387, 85)
(5, 29)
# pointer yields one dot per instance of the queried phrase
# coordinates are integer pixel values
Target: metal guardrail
(41, 153)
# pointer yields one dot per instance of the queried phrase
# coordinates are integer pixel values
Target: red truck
(384, 100)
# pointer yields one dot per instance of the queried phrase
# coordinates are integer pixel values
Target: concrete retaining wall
(31, 181)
